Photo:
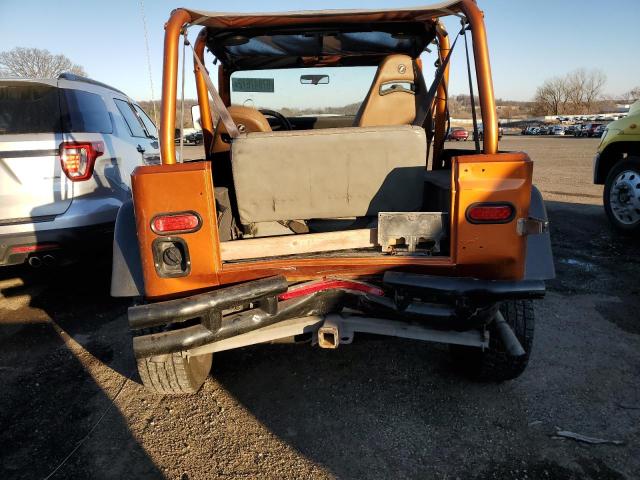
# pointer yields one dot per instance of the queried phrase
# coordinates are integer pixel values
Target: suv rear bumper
(408, 301)
(60, 244)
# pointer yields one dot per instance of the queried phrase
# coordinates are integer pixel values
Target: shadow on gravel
(49, 401)
(590, 257)
(384, 408)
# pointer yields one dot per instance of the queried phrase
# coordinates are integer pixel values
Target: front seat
(392, 97)
(247, 119)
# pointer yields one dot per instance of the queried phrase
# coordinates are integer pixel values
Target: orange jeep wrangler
(320, 224)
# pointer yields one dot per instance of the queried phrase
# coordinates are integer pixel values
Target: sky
(529, 41)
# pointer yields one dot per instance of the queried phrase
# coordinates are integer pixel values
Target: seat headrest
(391, 98)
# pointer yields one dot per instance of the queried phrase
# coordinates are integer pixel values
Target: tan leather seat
(247, 120)
(391, 99)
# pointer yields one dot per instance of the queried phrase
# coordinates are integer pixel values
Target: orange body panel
(491, 250)
(177, 188)
(483, 251)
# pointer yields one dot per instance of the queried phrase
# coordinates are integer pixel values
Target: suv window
(148, 123)
(29, 109)
(85, 112)
(130, 118)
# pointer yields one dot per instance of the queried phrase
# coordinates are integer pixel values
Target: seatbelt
(431, 94)
(218, 104)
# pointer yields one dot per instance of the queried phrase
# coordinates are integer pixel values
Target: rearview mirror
(314, 79)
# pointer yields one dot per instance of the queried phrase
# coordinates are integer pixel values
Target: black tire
(174, 374)
(494, 364)
(632, 164)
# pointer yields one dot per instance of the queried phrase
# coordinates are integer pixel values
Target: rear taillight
(78, 158)
(170, 223)
(40, 247)
(490, 213)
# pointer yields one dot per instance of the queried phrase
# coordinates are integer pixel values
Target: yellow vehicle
(321, 227)
(617, 167)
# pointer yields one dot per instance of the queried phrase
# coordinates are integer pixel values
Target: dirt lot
(71, 405)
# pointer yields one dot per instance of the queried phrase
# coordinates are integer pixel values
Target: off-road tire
(630, 163)
(174, 374)
(494, 364)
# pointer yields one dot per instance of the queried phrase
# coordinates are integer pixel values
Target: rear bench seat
(332, 173)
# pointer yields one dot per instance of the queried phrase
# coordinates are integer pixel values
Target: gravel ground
(71, 404)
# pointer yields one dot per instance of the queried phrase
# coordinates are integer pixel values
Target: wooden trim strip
(297, 244)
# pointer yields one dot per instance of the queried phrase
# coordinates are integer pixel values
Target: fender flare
(539, 260)
(126, 268)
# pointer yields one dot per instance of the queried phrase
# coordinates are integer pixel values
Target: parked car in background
(194, 138)
(599, 130)
(590, 129)
(543, 130)
(68, 146)
(571, 129)
(556, 130)
(481, 133)
(457, 134)
(617, 167)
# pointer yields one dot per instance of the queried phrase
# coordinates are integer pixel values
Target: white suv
(67, 149)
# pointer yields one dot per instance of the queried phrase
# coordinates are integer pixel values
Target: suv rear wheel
(621, 196)
(173, 373)
(494, 364)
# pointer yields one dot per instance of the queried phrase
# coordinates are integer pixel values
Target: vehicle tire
(494, 364)
(621, 196)
(173, 373)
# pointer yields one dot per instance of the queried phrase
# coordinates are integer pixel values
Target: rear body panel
(482, 251)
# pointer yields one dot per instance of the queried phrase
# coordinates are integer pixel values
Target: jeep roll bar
(181, 18)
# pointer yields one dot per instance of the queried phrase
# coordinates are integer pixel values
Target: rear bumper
(408, 300)
(63, 244)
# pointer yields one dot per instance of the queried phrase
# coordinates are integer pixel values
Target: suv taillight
(78, 158)
(490, 213)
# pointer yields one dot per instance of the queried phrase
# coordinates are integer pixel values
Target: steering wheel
(284, 122)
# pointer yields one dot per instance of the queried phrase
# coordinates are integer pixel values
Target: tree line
(578, 92)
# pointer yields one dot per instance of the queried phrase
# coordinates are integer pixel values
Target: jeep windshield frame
(227, 25)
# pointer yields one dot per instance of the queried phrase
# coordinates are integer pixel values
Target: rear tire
(623, 215)
(494, 364)
(173, 373)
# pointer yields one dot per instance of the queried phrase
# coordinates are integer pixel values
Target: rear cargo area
(364, 191)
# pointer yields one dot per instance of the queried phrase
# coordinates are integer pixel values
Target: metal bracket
(532, 226)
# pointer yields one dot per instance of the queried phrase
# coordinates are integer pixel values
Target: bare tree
(577, 92)
(595, 82)
(632, 95)
(36, 63)
(551, 97)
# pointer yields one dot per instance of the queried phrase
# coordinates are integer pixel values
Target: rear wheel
(621, 196)
(494, 364)
(173, 373)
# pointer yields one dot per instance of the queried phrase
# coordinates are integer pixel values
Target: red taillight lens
(175, 223)
(490, 213)
(40, 247)
(78, 158)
